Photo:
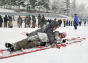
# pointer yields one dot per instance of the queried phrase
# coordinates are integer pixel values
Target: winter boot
(9, 46)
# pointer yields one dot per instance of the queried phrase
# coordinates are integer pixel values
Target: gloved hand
(64, 41)
(27, 34)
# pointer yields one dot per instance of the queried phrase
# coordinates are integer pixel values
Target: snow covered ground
(74, 53)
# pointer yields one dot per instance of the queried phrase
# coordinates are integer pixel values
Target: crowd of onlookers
(7, 20)
(30, 21)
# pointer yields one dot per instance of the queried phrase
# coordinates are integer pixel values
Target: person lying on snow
(39, 38)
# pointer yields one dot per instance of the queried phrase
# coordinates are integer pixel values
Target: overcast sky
(78, 1)
(82, 1)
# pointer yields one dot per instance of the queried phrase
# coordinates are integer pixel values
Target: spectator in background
(13, 18)
(39, 20)
(64, 23)
(1, 21)
(60, 22)
(84, 23)
(10, 25)
(67, 23)
(71, 23)
(43, 21)
(33, 21)
(76, 21)
(5, 21)
(27, 21)
(80, 22)
(19, 21)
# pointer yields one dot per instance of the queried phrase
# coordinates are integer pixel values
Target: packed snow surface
(74, 53)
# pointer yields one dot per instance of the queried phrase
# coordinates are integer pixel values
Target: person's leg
(32, 44)
(17, 45)
(33, 38)
(20, 44)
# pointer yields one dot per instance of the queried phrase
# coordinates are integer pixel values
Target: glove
(64, 41)
(27, 34)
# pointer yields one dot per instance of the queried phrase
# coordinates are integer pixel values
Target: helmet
(63, 35)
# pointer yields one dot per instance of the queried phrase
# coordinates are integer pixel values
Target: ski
(19, 52)
(71, 41)
(6, 54)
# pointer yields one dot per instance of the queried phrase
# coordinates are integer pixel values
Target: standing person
(27, 21)
(10, 24)
(84, 23)
(76, 21)
(36, 38)
(64, 23)
(69, 23)
(43, 21)
(19, 21)
(80, 22)
(39, 20)
(33, 21)
(60, 22)
(13, 18)
(5, 21)
(1, 21)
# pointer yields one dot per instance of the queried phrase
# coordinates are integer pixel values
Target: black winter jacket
(48, 30)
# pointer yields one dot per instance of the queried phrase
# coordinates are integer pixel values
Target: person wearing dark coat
(64, 23)
(80, 22)
(1, 21)
(39, 20)
(69, 23)
(43, 21)
(27, 21)
(84, 23)
(19, 22)
(60, 22)
(5, 21)
(49, 30)
(35, 38)
(33, 21)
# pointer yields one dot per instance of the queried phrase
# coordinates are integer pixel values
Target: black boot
(9, 46)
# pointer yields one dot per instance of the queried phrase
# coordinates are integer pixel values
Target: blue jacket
(76, 19)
